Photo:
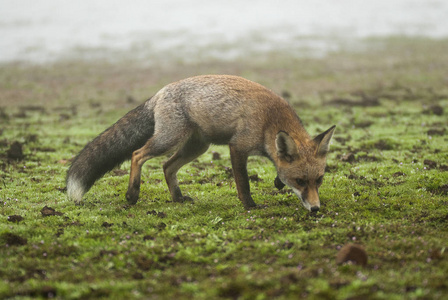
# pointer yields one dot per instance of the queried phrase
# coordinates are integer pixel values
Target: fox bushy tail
(112, 147)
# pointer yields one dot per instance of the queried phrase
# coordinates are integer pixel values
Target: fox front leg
(239, 166)
(278, 183)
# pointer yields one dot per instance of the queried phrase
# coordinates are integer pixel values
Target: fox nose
(314, 208)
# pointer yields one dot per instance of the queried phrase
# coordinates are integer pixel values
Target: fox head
(301, 166)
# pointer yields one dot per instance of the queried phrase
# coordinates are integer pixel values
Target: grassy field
(386, 187)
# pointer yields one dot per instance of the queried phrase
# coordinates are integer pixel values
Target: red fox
(185, 117)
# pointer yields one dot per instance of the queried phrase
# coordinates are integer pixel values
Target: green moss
(391, 197)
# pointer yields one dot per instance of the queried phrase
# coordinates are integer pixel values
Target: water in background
(47, 30)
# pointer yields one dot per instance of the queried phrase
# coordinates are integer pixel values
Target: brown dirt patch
(364, 101)
(434, 132)
(155, 213)
(443, 190)
(48, 211)
(430, 164)
(255, 178)
(12, 239)
(15, 218)
(15, 151)
(434, 109)
(352, 252)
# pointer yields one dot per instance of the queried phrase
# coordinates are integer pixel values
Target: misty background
(49, 30)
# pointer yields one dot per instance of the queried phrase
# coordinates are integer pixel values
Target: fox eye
(319, 180)
(301, 182)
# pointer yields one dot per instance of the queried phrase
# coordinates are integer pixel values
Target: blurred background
(49, 30)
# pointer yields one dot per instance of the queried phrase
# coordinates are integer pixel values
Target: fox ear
(323, 141)
(286, 147)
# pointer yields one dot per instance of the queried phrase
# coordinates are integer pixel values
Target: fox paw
(257, 206)
(187, 199)
(249, 204)
(184, 199)
(132, 197)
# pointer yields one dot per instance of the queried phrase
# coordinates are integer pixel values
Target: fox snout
(310, 198)
(314, 209)
(312, 206)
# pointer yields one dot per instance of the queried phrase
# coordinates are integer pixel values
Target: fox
(185, 117)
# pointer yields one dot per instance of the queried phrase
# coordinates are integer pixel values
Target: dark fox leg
(239, 166)
(158, 145)
(278, 183)
(193, 148)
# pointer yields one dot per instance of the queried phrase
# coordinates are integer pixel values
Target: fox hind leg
(194, 147)
(157, 145)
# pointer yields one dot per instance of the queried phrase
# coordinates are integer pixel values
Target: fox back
(223, 108)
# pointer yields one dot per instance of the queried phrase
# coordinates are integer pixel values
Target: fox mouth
(306, 205)
(304, 202)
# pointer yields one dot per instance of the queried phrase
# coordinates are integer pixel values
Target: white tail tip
(75, 190)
